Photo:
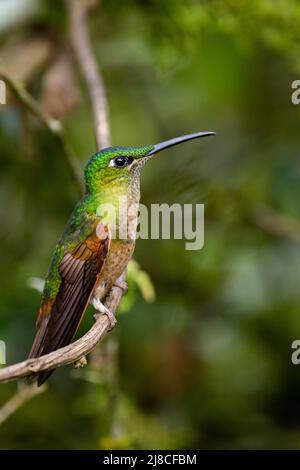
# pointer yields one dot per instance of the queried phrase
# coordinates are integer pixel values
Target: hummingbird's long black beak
(178, 140)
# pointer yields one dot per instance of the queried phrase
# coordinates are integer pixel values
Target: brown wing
(58, 320)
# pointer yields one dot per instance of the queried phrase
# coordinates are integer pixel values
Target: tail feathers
(43, 376)
(38, 343)
(37, 349)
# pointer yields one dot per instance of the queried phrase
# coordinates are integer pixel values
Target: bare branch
(53, 125)
(23, 394)
(78, 10)
(69, 354)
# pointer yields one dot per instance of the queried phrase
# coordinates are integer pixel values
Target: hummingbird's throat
(120, 214)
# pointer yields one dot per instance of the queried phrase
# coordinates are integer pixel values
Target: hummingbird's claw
(102, 310)
(122, 285)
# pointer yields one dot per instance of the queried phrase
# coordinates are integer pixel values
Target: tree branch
(23, 394)
(53, 125)
(70, 353)
(78, 10)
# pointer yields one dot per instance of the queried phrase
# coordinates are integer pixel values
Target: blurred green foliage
(207, 363)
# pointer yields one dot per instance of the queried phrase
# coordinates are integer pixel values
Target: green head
(122, 165)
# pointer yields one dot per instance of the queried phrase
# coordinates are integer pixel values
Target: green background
(208, 363)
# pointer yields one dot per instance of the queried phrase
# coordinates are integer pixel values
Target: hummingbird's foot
(122, 285)
(102, 310)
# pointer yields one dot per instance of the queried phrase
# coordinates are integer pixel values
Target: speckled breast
(120, 252)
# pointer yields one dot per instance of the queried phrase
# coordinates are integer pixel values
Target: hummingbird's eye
(121, 161)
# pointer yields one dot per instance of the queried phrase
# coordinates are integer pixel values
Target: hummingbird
(89, 258)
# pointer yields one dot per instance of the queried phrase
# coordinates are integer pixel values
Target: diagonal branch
(22, 395)
(68, 354)
(78, 10)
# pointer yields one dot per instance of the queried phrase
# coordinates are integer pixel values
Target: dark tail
(37, 351)
(43, 376)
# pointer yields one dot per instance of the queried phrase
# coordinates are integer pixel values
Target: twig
(53, 125)
(78, 10)
(69, 354)
(23, 394)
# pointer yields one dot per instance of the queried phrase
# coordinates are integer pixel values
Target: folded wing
(59, 319)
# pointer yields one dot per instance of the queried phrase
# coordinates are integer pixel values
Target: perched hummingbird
(88, 260)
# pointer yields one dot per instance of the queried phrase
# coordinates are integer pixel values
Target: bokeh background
(207, 363)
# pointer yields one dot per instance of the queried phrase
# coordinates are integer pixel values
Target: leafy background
(206, 364)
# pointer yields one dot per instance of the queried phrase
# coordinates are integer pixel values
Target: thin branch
(23, 394)
(78, 10)
(53, 125)
(69, 354)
